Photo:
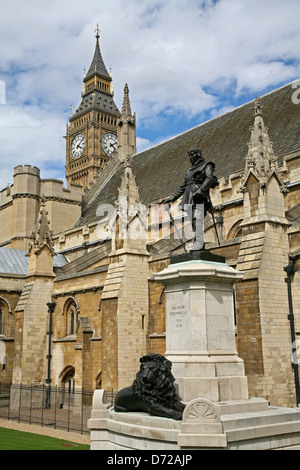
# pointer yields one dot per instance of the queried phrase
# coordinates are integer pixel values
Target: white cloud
(258, 76)
(142, 144)
(31, 138)
(177, 58)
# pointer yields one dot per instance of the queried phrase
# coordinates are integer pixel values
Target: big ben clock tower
(91, 137)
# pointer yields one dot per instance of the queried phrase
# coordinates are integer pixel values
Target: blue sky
(185, 61)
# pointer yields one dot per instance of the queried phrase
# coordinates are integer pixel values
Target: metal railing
(57, 407)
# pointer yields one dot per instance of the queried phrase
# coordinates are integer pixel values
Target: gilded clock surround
(78, 146)
(95, 117)
(109, 143)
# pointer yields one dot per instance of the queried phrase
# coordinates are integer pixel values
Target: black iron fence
(57, 407)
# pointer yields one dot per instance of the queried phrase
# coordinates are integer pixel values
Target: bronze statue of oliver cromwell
(195, 190)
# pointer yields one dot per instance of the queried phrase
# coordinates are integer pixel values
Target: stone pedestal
(234, 425)
(200, 336)
(200, 331)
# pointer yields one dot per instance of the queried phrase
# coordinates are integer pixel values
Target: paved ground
(46, 431)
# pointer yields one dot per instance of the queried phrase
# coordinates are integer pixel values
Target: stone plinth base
(197, 256)
(200, 332)
(216, 378)
(200, 340)
(232, 425)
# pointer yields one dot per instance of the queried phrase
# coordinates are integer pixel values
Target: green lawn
(19, 440)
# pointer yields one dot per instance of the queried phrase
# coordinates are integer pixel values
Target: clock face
(109, 143)
(78, 146)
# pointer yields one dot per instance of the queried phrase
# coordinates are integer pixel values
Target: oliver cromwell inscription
(177, 317)
(178, 321)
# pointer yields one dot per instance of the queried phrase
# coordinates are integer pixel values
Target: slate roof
(223, 140)
(15, 262)
(293, 214)
(97, 66)
(96, 100)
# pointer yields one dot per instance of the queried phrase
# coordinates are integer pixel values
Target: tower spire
(126, 129)
(97, 66)
(98, 106)
(260, 153)
(97, 31)
(261, 160)
(42, 235)
(126, 109)
(258, 107)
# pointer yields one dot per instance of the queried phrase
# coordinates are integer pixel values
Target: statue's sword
(211, 209)
(174, 225)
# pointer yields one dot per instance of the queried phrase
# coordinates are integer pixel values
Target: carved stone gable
(42, 235)
(261, 160)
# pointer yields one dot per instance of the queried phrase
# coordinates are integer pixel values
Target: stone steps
(274, 428)
(232, 425)
(269, 417)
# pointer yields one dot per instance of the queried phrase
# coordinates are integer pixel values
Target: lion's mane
(163, 390)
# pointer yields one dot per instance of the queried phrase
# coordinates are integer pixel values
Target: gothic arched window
(73, 315)
(71, 312)
(6, 324)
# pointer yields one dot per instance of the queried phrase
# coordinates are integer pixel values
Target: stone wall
(20, 204)
(83, 349)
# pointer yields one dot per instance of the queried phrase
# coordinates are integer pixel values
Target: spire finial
(126, 109)
(97, 31)
(258, 107)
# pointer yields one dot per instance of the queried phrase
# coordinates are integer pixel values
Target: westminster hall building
(85, 254)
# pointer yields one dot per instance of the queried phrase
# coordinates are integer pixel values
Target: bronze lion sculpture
(152, 391)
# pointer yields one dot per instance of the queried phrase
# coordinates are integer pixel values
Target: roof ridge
(212, 119)
(224, 138)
